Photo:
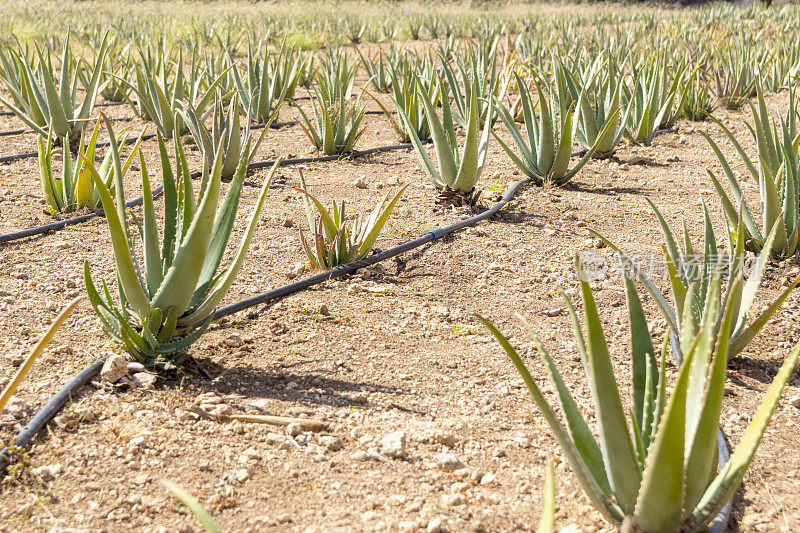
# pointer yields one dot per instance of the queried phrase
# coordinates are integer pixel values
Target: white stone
(115, 368)
(448, 461)
(434, 525)
(394, 445)
(334, 444)
(144, 380)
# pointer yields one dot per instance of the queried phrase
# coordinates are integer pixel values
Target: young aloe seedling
(334, 240)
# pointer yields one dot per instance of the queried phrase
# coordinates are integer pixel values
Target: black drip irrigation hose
(61, 224)
(9, 133)
(48, 412)
(51, 408)
(30, 155)
(720, 522)
(54, 226)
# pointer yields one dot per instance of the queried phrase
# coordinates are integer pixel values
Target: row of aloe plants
(686, 79)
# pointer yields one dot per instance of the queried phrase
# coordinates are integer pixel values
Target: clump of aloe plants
(654, 467)
(335, 240)
(74, 189)
(457, 172)
(169, 288)
(777, 173)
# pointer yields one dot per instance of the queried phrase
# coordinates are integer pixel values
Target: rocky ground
(412, 418)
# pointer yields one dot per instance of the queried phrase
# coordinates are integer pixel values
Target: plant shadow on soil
(274, 383)
(761, 370)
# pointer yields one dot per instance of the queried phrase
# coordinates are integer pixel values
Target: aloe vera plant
(269, 81)
(777, 173)
(477, 71)
(117, 64)
(335, 128)
(691, 273)
(602, 91)
(43, 101)
(736, 75)
(378, 71)
(405, 84)
(161, 94)
(656, 469)
(654, 101)
(336, 76)
(545, 155)
(699, 102)
(167, 300)
(336, 241)
(226, 135)
(457, 173)
(74, 189)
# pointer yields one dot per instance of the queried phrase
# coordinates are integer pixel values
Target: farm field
(379, 400)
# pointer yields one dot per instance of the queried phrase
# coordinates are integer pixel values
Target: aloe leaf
(563, 152)
(180, 345)
(702, 449)
(642, 354)
(151, 244)
(698, 373)
(377, 225)
(24, 117)
(181, 279)
(328, 223)
(748, 333)
(468, 169)
(619, 455)
(773, 216)
(126, 270)
(444, 155)
(168, 327)
(632, 269)
(748, 293)
(546, 136)
(58, 117)
(194, 506)
(581, 435)
(223, 225)
(660, 503)
(601, 501)
(108, 319)
(223, 284)
(730, 477)
(548, 518)
(170, 205)
(45, 149)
